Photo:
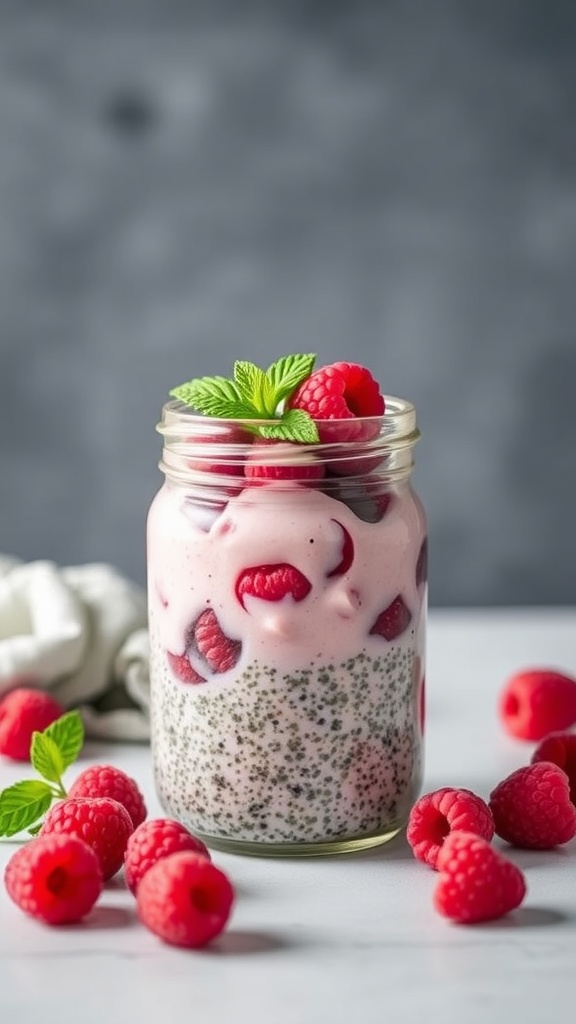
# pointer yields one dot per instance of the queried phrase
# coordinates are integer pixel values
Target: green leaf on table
(46, 757)
(22, 804)
(67, 732)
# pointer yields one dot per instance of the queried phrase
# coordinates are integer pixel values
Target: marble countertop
(349, 938)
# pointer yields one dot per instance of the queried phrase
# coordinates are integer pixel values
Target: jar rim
(397, 423)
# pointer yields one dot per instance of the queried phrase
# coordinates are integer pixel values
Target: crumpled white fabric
(80, 633)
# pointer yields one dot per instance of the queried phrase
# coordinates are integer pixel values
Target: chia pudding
(287, 636)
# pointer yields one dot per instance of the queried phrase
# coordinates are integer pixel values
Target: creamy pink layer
(191, 568)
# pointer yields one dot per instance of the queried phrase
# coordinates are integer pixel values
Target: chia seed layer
(326, 752)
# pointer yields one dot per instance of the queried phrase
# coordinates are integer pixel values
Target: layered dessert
(287, 597)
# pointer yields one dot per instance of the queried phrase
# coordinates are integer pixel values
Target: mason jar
(287, 614)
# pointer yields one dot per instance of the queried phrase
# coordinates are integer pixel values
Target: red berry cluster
(57, 877)
(534, 808)
(345, 402)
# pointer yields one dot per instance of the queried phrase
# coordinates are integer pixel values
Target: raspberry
(532, 807)
(272, 583)
(206, 639)
(219, 651)
(100, 821)
(536, 702)
(340, 391)
(436, 815)
(560, 748)
(185, 899)
(286, 461)
(393, 620)
(477, 883)
(180, 667)
(22, 712)
(218, 457)
(152, 841)
(354, 459)
(105, 780)
(55, 878)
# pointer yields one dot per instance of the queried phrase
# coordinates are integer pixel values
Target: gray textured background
(183, 183)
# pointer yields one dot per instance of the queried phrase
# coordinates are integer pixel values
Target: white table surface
(337, 939)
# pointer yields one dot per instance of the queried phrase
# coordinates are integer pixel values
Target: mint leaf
(287, 373)
(214, 396)
(46, 757)
(255, 389)
(22, 804)
(67, 732)
(294, 425)
(254, 394)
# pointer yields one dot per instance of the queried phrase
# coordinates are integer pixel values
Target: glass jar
(287, 614)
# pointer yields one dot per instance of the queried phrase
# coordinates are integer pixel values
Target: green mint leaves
(67, 734)
(51, 753)
(22, 804)
(293, 425)
(256, 394)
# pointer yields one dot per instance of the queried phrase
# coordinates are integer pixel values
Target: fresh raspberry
(340, 391)
(275, 460)
(536, 702)
(185, 899)
(272, 583)
(422, 564)
(55, 878)
(532, 807)
(106, 780)
(154, 840)
(219, 651)
(393, 620)
(477, 882)
(100, 821)
(356, 460)
(216, 450)
(180, 667)
(22, 712)
(347, 556)
(436, 815)
(560, 749)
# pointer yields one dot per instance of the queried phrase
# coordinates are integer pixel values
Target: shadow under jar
(287, 612)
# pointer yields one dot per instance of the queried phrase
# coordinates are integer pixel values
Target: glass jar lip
(398, 422)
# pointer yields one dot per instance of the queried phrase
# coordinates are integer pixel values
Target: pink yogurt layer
(191, 569)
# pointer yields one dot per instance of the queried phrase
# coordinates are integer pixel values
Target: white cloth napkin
(79, 632)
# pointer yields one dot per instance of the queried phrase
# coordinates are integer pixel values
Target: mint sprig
(256, 394)
(293, 425)
(51, 752)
